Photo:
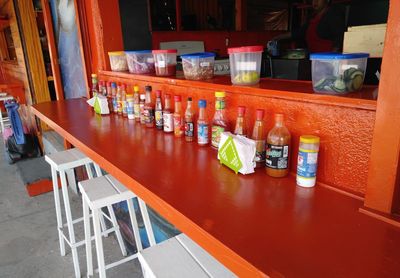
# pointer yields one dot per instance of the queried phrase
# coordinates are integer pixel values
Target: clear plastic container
(118, 61)
(338, 73)
(245, 64)
(165, 62)
(198, 66)
(140, 62)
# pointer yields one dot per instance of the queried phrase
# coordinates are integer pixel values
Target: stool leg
(69, 223)
(89, 171)
(99, 243)
(134, 224)
(58, 210)
(88, 242)
(117, 230)
(147, 223)
(98, 169)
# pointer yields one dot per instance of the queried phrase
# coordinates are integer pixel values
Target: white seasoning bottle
(307, 160)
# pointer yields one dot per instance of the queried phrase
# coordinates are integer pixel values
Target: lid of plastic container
(219, 94)
(158, 93)
(259, 114)
(309, 139)
(241, 110)
(177, 98)
(161, 51)
(254, 48)
(116, 53)
(139, 51)
(202, 103)
(198, 55)
(337, 56)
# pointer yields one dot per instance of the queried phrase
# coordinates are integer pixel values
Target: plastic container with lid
(307, 160)
(140, 62)
(165, 62)
(338, 73)
(245, 64)
(198, 66)
(118, 61)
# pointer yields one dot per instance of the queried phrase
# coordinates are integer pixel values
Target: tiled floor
(28, 236)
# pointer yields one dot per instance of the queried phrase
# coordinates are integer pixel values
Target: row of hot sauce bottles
(272, 151)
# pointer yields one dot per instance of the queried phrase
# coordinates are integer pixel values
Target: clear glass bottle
(158, 113)
(141, 108)
(178, 117)
(278, 149)
(149, 108)
(168, 117)
(258, 135)
(136, 103)
(219, 123)
(202, 124)
(240, 127)
(189, 121)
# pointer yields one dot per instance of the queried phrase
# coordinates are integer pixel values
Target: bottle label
(307, 164)
(129, 110)
(202, 134)
(216, 135)
(142, 118)
(114, 104)
(168, 120)
(178, 127)
(189, 129)
(260, 151)
(159, 118)
(148, 115)
(124, 107)
(136, 110)
(220, 104)
(277, 156)
(119, 106)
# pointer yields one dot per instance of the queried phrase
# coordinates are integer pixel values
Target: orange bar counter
(255, 225)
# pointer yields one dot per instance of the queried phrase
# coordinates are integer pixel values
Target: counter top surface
(253, 224)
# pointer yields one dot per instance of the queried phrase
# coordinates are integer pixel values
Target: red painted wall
(215, 40)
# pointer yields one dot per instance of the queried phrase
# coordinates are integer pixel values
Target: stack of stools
(62, 162)
(176, 257)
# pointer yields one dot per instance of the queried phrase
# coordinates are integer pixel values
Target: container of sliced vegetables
(245, 64)
(338, 73)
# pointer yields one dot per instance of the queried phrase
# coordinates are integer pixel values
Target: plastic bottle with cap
(129, 106)
(240, 127)
(136, 103)
(149, 108)
(123, 101)
(307, 160)
(168, 117)
(202, 124)
(158, 111)
(258, 136)
(189, 121)
(178, 118)
(219, 123)
(141, 108)
(94, 84)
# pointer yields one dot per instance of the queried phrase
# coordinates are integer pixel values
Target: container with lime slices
(338, 73)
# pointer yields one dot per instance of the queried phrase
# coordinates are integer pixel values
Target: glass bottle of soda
(202, 124)
(168, 117)
(259, 136)
(240, 127)
(158, 112)
(219, 123)
(149, 108)
(189, 121)
(278, 149)
(178, 118)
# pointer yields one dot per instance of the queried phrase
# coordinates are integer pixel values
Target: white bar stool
(104, 192)
(60, 163)
(176, 257)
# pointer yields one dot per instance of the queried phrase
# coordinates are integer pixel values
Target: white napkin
(100, 104)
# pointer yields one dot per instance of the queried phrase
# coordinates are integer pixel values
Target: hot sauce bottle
(259, 136)
(202, 124)
(149, 108)
(158, 112)
(123, 101)
(168, 118)
(119, 100)
(219, 123)
(189, 121)
(240, 127)
(136, 103)
(278, 149)
(178, 118)
(114, 97)
(141, 108)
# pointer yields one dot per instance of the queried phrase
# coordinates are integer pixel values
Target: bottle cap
(142, 97)
(101, 82)
(158, 93)
(177, 98)
(114, 85)
(189, 98)
(309, 139)
(167, 96)
(202, 103)
(136, 88)
(123, 86)
(94, 75)
(129, 95)
(219, 94)
(241, 110)
(259, 114)
(147, 88)
(278, 117)
(109, 83)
